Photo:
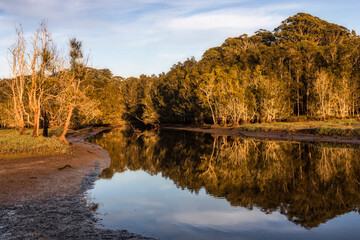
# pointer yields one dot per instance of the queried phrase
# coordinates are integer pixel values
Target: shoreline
(37, 177)
(272, 135)
(41, 198)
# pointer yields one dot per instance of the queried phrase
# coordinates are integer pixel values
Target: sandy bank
(36, 178)
(44, 197)
(276, 135)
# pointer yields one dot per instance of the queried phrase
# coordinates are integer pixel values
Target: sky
(134, 37)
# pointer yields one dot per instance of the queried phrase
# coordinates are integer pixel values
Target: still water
(183, 185)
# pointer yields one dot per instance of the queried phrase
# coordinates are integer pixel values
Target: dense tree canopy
(305, 68)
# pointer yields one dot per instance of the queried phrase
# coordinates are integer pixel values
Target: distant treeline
(305, 68)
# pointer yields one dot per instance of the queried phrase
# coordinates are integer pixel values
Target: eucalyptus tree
(41, 66)
(18, 69)
(72, 93)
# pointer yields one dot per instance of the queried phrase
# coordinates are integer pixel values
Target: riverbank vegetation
(342, 127)
(304, 70)
(338, 127)
(44, 85)
(13, 145)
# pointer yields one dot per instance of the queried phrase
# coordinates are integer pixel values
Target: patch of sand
(44, 197)
(36, 178)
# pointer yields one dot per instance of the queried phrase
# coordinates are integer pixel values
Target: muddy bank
(35, 178)
(44, 197)
(276, 135)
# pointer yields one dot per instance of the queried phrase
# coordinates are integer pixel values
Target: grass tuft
(13, 145)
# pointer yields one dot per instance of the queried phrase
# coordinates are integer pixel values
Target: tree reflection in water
(309, 183)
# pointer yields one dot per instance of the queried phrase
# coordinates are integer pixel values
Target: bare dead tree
(41, 66)
(17, 63)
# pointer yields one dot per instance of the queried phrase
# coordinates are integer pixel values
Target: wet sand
(44, 197)
(300, 136)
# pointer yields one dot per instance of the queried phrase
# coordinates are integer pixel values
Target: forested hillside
(305, 68)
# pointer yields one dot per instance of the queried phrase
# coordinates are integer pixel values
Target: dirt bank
(36, 178)
(44, 197)
(276, 135)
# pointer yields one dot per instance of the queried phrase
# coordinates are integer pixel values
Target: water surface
(182, 185)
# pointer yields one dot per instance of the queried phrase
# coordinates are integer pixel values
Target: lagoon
(183, 185)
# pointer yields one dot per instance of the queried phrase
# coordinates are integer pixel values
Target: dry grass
(344, 127)
(13, 145)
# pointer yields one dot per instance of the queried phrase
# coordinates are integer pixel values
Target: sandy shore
(40, 199)
(276, 135)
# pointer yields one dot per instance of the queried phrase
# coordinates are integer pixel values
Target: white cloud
(230, 18)
(223, 21)
(141, 36)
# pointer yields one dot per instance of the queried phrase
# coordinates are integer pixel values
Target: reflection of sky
(153, 206)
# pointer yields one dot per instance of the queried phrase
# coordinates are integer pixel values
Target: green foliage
(346, 128)
(305, 67)
(5, 104)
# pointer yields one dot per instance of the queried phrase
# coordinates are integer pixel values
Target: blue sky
(131, 37)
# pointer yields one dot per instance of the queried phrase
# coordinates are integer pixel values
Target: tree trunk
(21, 123)
(36, 122)
(212, 111)
(21, 126)
(223, 121)
(46, 124)
(62, 138)
(18, 111)
(298, 95)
